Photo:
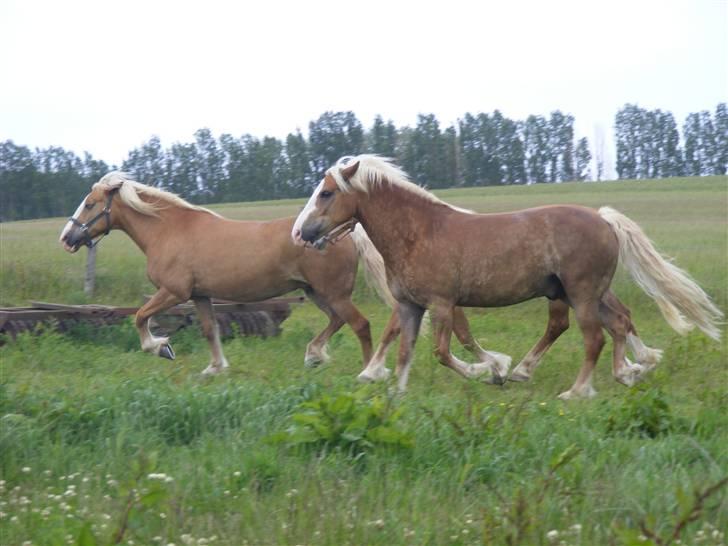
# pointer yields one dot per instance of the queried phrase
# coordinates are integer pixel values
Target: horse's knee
(597, 340)
(206, 328)
(558, 326)
(362, 328)
(209, 329)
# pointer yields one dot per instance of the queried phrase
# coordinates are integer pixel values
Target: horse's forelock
(335, 173)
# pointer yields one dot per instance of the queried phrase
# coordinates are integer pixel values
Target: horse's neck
(395, 219)
(144, 230)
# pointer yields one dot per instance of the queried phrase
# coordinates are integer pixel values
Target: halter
(335, 235)
(106, 213)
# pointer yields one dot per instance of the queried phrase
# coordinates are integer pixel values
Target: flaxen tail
(682, 302)
(374, 270)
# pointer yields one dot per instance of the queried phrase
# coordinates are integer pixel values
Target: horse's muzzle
(296, 237)
(310, 232)
(71, 242)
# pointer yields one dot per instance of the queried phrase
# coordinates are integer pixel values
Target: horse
(438, 256)
(194, 253)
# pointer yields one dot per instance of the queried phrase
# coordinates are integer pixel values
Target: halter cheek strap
(335, 235)
(106, 213)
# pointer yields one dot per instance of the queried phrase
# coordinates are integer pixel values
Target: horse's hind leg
(618, 324)
(316, 349)
(557, 325)
(357, 322)
(644, 355)
(587, 316)
(410, 317)
(376, 369)
(211, 331)
(160, 301)
(461, 329)
(442, 319)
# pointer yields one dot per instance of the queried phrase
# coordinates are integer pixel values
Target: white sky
(104, 76)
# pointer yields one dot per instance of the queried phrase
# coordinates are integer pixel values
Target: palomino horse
(193, 253)
(437, 257)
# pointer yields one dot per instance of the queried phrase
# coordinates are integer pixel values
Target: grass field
(101, 443)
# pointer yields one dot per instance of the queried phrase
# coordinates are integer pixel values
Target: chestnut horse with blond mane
(438, 257)
(194, 253)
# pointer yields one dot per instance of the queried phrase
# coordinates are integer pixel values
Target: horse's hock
(249, 319)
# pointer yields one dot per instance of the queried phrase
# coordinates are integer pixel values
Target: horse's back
(243, 260)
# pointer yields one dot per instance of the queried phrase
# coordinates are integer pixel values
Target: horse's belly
(257, 289)
(501, 294)
(500, 300)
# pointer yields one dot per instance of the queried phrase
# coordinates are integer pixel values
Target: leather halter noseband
(335, 235)
(106, 213)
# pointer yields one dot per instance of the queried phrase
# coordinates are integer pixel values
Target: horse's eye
(88, 206)
(326, 194)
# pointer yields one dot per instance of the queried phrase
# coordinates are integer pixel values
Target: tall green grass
(99, 441)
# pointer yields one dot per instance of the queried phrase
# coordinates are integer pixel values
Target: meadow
(102, 444)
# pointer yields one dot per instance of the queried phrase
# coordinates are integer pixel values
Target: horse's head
(92, 220)
(328, 208)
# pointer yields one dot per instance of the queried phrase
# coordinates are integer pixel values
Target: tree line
(481, 149)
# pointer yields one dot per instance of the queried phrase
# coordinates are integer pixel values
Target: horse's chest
(409, 285)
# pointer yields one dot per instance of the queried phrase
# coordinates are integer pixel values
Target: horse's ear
(349, 171)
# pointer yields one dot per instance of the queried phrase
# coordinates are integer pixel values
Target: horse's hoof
(378, 374)
(572, 394)
(312, 362)
(364, 377)
(165, 351)
(567, 395)
(213, 370)
(519, 377)
(629, 380)
(496, 380)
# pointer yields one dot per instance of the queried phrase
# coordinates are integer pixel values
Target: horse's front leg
(160, 301)
(442, 318)
(499, 362)
(376, 368)
(211, 331)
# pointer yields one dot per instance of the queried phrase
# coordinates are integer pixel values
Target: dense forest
(481, 149)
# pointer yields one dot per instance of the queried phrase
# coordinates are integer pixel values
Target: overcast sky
(105, 76)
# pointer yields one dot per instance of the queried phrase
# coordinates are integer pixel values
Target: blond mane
(374, 171)
(129, 191)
